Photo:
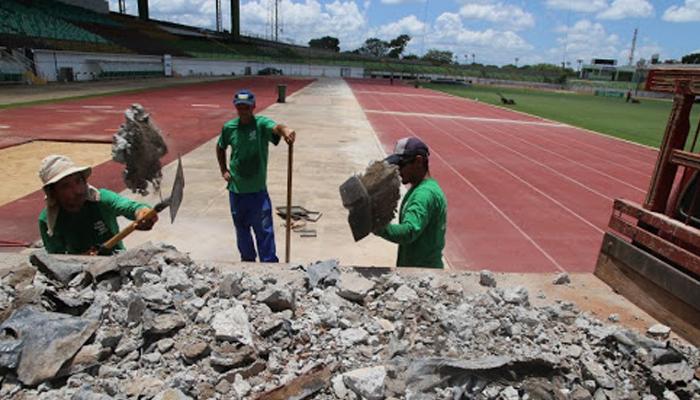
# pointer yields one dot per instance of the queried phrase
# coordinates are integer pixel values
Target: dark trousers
(253, 211)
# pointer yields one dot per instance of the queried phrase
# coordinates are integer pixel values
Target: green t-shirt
(249, 151)
(420, 232)
(94, 224)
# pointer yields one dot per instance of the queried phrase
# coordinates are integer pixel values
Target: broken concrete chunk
(516, 295)
(232, 325)
(561, 279)
(193, 351)
(230, 286)
(323, 273)
(659, 331)
(164, 324)
(171, 394)
(368, 383)
(63, 271)
(45, 350)
(354, 286)
(487, 278)
(277, 298)
(405, 293)
(595, 371)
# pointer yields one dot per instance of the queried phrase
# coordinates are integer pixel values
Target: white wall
(87, 66)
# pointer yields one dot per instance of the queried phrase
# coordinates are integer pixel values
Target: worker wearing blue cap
(246, 175)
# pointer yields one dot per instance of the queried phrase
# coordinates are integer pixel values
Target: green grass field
(641, 123)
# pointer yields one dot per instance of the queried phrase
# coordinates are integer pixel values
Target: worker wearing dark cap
(420, 232)
(249, 136)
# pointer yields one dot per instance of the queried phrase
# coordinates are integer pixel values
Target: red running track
(524, 194)
(188, 116)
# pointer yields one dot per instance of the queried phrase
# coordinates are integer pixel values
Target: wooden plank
(652, 285)
(302, 387)
(675, 135)
(677, 229)
(664, 80)
(686, 159)
(677, 255)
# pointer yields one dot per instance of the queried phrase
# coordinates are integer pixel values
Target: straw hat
(56, 167)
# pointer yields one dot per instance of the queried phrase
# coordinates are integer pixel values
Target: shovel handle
(290, 162)
(108, 245)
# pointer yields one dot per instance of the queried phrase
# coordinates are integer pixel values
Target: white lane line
(494, 206)
(525, 182)
(98, 107)
(206, 105)
(4, 126)
(430, 96)
(577, 163)
(463, 118)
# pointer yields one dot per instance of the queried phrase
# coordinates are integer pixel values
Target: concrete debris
(561, 279)
(486, 278)
(371, 198)
(659, 331)
(368, 383)
(166, 327)
(323, 273)
(139, 145)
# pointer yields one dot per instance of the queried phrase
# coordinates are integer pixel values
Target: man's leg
(240, 208)
(264, 229)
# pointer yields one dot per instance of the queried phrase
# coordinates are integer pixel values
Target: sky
(485, 31)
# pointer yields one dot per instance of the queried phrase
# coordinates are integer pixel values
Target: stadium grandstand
(48, 40)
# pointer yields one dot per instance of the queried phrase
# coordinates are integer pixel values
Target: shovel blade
(178, 189)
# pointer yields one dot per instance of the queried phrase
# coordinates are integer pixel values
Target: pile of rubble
(150, 323)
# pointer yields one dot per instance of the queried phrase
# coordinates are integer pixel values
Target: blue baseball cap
(244, 96)
(406, 148)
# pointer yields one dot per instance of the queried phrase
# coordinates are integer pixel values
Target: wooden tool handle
(108, 245)
(287, 249)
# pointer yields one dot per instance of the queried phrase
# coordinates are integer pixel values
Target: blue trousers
(253, 211)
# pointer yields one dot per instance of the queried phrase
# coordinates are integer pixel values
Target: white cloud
(310, 19)
(585, 40)
(620, 9)
(398, 2)
(490, 45)
(578, 5)
(410, 25)
(513, 16)
(688, 12)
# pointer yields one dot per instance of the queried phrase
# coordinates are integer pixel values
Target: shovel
(173, 202)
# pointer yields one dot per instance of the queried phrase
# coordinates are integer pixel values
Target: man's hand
(143, 223)
(226, 175)
(289, 135)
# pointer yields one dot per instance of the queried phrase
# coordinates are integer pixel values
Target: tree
(325, 43)
(398, 45)
(438, 57)
(410, 57)
(373, 47)
(692, 58)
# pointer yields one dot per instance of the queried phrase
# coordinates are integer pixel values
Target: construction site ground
(339, 133)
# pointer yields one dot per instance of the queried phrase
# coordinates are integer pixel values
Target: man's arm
(285, 132)
(415, 218)
(130, 209)
(221, 158)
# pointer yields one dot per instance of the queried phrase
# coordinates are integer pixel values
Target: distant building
(605, 69)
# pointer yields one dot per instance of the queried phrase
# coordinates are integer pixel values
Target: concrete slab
(334, 141)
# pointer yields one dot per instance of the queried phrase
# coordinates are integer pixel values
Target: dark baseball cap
(244, 96)
(407, 148)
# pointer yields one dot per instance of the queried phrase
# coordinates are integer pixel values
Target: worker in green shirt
(78, 217)
(420, 232)
(249, 137)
